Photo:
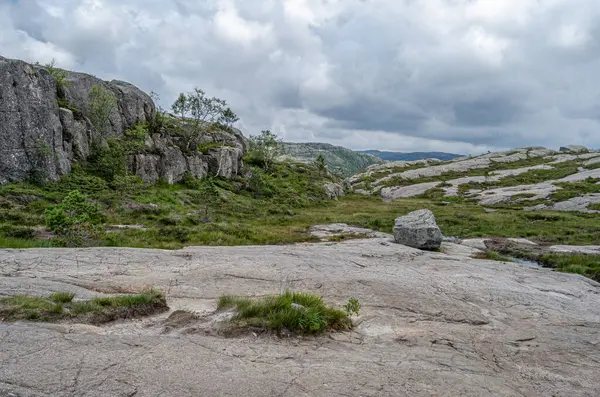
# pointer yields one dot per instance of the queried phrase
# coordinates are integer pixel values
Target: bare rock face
(163, 159)
(31, 134)
(133, 105)
(418, 230)
(334, 190)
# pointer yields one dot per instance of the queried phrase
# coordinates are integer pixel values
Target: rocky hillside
(528, 178)
(338, 159)
(47, 126)
(411, 156)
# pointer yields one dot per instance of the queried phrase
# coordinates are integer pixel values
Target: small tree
(210, 197)
(198, 113)
(101, 103)
(180, 107)
(60, 76)
(266, 148)
(320, 163)
(75, 219)
(228, 118)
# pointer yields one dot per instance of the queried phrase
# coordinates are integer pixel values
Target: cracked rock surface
(431, 324)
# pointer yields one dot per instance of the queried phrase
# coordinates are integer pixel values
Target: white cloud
(458, 75)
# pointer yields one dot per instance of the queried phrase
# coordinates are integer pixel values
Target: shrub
(77, 180)
(75, 219)
(15, 231)
(352, 307)
(205, 147)
(108, 161)
(293, 311)
(60, 76)
(210, 196)
(134, 138)
(101, 104)
(265, 149)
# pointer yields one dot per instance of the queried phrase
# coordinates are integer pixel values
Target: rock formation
(418, 230)
(517, 176)
(37, 134)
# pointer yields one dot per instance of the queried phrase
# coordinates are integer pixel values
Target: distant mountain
(399, 156)
(339, 160)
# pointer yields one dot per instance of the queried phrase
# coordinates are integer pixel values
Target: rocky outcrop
(576, 149)
(38, 136)
(334, 190)
(162, 159)
(419, 230)
(31, 133)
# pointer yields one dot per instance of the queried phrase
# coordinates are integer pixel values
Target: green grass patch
(62, 297)
(293, 311)
(594, 207)
(585, 264)
(60, 306)
(569, 190)
(492, 256)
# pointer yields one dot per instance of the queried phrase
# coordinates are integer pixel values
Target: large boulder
(418, 230)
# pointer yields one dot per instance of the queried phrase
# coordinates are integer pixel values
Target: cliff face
(36, 134)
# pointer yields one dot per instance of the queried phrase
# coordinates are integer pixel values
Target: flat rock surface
(431, 324)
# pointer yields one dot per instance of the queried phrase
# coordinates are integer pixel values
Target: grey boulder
(418, 230)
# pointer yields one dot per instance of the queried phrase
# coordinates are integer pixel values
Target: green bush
(205, 147)
(75, 220)
(77, 180)
(16, 231)
(108, 162)
(293, 311)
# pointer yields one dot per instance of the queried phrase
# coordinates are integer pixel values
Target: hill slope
(339, 160)
(530, 178)
(412, 156)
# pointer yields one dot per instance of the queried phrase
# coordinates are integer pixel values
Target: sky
(463, 76)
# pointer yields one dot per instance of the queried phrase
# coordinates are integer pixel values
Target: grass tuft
(61, 307)
(293, 311)
(62, 297)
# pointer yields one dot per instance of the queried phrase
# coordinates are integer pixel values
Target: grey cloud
(415, 74)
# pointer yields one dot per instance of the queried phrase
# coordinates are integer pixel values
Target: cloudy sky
(461, 76)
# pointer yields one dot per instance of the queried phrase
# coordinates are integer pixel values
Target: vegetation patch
(492, 256)
(295, 312)
(585, 264)
(594, 207)
(60, 307)
(569, 190)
